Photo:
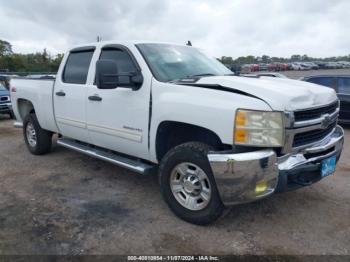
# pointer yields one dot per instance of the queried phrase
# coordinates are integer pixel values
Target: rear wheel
(38, 140)
(188, 185)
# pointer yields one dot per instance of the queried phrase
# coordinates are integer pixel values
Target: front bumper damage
(246, 177)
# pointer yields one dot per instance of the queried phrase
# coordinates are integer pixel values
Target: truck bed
(40, 93)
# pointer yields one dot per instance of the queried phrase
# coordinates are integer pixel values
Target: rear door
(120, 119)
(70, 94)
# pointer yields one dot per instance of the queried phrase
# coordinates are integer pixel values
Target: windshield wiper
(198, 75)
(189, 77)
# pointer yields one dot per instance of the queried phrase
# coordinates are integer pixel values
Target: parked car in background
(272, 67)
(245, 69)
(311, 65)
(269, 74)
(341, 85)
(332, 65)
(263, 67)
(321, 65)
(300, 66)
(344, 64)
(295, 66)
(283, 66)
(289, 66)
(236, 69)
(5, 101)
(306, 65)
(254, 68)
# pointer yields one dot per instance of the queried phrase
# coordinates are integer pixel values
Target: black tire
(43, 137)
(196, 153)
(12, 115)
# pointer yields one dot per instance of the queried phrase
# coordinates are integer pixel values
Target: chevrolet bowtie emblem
(325, 122)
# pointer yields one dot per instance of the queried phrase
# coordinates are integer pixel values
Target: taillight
(13, 89)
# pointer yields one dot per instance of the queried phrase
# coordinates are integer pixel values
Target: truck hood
(281, 94)
(4, 93)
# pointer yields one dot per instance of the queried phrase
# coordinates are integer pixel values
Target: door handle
(95, 98)
(60, 93)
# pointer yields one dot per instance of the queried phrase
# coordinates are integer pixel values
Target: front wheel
(38, 140)
(188, 185)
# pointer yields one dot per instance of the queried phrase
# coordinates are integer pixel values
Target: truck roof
(123, 42)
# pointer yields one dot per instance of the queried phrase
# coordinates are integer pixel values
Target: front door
(117, 119)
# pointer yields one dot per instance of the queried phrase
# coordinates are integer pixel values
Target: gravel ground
(68, 203)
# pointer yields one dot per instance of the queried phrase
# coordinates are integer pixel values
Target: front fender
(211, 109)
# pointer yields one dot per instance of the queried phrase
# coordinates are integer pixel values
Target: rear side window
(344, 85)
(77, 67)
(324, 81)
(122, 58)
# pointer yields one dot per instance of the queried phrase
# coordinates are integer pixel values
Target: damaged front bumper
(246, 177)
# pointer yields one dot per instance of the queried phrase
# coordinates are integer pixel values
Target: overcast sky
(232, 28)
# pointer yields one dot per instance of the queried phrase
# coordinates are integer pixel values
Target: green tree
(265, 59)
(35, 62)
(45, 56)
(5, 48)
(295, 58)
(227, 60)
(305, 58)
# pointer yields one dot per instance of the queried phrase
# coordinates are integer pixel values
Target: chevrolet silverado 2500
(215, 139)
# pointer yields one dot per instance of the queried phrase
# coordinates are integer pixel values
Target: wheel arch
(25, 107)
(172, 133)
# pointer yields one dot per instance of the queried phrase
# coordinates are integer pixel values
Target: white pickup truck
(215, 139)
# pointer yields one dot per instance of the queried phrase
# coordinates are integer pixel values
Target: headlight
(259, 128)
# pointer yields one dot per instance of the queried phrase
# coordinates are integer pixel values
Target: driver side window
(122, 58)
(124, 61)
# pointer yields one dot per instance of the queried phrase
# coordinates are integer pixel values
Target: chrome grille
(4, 98)
(312, 136)
(309, 114)
(309, 126)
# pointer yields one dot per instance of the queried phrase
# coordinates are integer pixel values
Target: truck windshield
(173, 62)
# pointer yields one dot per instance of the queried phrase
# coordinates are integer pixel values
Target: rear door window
(77, 67)
(344, 85)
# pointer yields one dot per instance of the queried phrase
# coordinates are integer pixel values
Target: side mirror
(108, 76)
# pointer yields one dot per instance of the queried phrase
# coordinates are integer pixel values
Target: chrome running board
(114, 158)
(18, 124)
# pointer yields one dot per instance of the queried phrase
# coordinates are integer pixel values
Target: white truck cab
(215, 139)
